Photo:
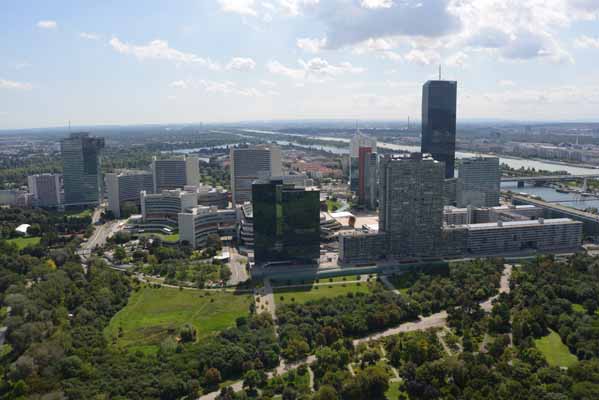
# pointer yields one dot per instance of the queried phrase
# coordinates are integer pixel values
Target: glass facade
(286, 223)
(439, 100)
(82, 175)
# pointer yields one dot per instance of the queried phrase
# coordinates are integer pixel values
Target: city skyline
(233, 60)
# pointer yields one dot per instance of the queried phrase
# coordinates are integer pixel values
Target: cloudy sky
(159, 61)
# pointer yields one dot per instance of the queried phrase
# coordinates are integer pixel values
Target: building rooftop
(514, 224)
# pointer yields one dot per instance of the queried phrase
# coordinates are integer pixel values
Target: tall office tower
(363, 157)
(357, 141)
(82, 174)
(439, 100)
(175, 173)
(371, 181)
(45, 189)
(411, 204)
(124, 186)
(286, 223)
(249, 164)
(478, 183)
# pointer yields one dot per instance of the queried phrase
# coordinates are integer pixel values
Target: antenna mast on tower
(439, 71)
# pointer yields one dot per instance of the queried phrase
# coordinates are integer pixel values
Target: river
(513, 162)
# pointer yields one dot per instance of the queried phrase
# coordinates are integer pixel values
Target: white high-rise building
(478, 182)
(45, 189)
(125, 186)
(175, 173)
(251, 163)
(359, 140)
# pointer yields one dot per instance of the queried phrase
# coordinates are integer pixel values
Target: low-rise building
(197, 223)
(516, 236)
(161, 210)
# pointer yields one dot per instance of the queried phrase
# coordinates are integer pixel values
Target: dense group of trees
(43, 222)
(303, 327)
(55, 345)
(561, 296)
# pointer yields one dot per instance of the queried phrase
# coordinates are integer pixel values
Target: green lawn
(333, 205)
(555, 351)
(302, 295)
(23, 242)
(154, 314)
(172, 238)
(285, 282)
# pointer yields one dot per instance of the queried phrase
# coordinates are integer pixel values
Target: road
(237, 264)
(265, 299)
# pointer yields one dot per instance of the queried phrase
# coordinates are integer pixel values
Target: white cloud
(506, 83)
(221, 87)
(587, 42)
(311, 45)
(160, 50)
(180, 84)
(89, 36)
(376, 3)
(459, 59)
(422, 57)
(314, 70)
(6, 84)
(47, 24)
(243, 7)
(241, 64)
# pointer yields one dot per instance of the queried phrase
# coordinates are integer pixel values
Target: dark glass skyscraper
(82, 175)
(439, 100)
(286, 223)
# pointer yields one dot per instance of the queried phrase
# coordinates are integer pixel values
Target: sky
(184, 61)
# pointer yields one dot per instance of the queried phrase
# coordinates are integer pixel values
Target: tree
(188, 333)
(225, 272)
(253, 379)
(120, 254)
(326, 392)
(212, 377)
(213, 241)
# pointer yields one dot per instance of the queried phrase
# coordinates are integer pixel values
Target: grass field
(555, 351)
(344, 278)
(154, 314)
(172, 238)
(23, 242)
(301, 295)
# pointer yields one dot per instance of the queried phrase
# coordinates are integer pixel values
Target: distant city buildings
(45, 189)
(370, 181)
(286, 223)
(125, 186)
(82, 175)
(175, 173)
(414, 224)
(249, 164)
(439, 100)
(358, 141)
(478, 183)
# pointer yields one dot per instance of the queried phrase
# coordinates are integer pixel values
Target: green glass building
(286, 223)
(82, 174)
